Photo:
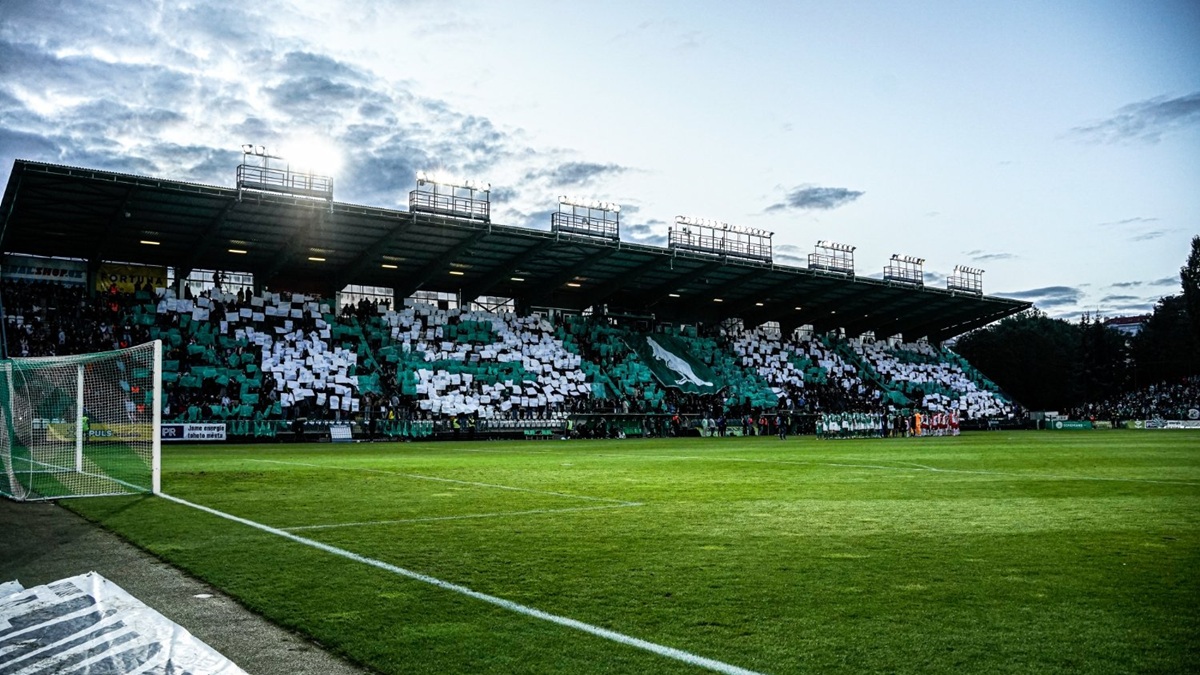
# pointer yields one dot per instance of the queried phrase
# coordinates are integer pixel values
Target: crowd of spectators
(51, 319)
(930, 379)
(1177, 400)
(806, 374)
(285, 356)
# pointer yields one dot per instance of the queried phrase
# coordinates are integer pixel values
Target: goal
(81, 426)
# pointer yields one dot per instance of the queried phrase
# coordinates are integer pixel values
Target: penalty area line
(430, 519)
(621, 638)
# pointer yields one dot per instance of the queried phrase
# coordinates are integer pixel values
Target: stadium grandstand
(284, 313)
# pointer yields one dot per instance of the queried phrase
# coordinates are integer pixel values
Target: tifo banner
(100, 431)
(32, 268)
(129, 278)
(88, 624)
(672, 365)
(193, 432)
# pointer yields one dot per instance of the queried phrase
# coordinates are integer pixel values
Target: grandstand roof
(52, 210)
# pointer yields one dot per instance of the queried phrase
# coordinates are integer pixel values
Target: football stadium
(428, 442)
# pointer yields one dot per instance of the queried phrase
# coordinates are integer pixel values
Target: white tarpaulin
(87, 624)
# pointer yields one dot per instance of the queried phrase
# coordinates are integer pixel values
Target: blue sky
(1055, 145)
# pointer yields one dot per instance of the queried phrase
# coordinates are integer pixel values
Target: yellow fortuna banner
(129, 278)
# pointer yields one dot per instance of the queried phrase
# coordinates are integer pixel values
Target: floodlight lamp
(247, 148)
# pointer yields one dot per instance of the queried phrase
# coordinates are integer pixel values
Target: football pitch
(990, 552)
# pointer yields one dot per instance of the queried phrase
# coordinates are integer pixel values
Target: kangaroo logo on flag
(671, 364)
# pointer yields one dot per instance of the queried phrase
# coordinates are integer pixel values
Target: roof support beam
(416, 281)
(314, 222)
(204, 241)
(105, 243)
(504, 269)
(370, 254)
(569, 272)
(656, 295)
(608, 290)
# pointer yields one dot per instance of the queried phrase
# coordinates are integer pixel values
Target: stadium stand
(277, 363)
(805, 374)
(931, 378)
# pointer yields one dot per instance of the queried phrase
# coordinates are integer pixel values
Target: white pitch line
(446, 480)
(913, 467)
(621, 638)
(464, 517)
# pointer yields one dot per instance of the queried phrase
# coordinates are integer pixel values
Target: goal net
(81, 426)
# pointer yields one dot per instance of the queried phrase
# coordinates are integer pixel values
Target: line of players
(878, 425)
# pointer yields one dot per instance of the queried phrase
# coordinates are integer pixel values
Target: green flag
(672, 365)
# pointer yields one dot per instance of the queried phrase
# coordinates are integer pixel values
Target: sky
(1055, 145)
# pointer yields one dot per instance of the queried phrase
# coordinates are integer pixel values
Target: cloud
(808, 197)
(1145, 120)
(136, 88)
(645, 233)
(978, 255)
(790, 254)
(1166, 281)
(1149, 236)
(574, 174)
(1126, 284)
(1119, 298)
(1048, 296)
(1136, 220)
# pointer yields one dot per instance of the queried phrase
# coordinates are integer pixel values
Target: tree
(1103, 360)
(1189, 274)
(1034, 358)
(1166, 348)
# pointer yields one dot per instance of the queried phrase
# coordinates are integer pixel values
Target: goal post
(81, 426)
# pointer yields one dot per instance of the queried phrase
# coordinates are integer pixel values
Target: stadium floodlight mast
(440, 193)
(830, 256)
(964, 278)
(906, 269)
(592, 204)
(587, 217)
(264, 178)
(702, 235)
(834, 246)
(447, 180)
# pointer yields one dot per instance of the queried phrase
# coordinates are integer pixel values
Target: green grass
(1023, 552)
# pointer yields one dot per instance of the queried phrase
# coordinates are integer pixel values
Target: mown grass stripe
(912, 466)
(417, 476)
(621, 638)
(462, 517)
